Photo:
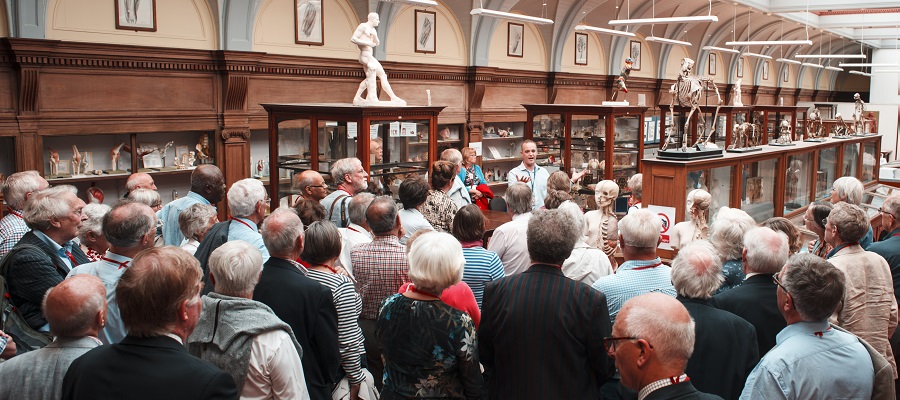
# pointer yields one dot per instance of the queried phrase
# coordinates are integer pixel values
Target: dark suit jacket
(541, 337)
(308, 307)
(33, 272)
(724, 350)
(755, 301)
(145, 368)
(680, 391)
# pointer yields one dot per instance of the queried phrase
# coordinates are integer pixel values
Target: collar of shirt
(895, 232)
(801, 328)
(537, 168)
(176, 337)
(632, 264)
(474, 243)
(198, 197)
(300, 267)
(358, 229)
(656, 385)
(244, 223)
(520, 216)
(60, 250)
(118, 259)
(390, 239)
(843, 248)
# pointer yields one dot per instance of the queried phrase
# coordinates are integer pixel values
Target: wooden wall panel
(131, 93)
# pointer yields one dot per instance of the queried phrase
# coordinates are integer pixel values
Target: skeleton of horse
(687, 91)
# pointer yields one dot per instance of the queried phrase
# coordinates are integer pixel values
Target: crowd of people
(352, 295)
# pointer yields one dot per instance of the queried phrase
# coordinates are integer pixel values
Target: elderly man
(458, 192)
(44, 256)
(358, 230)
(76, 310)
(508, 240)
(869, 308)
(351, 178)
(258, 349)
(207, 187)
(725, 347)
(159, 297)
(531, 174)
(812, 359)
(652, 340)
(16, 191)
(849, 190)
(546, 345)
(380, 268)
(764, 253)
(139, 180)
(642, 271)
(301, 302)
(311, 185)
(889, 248)
(129, 228)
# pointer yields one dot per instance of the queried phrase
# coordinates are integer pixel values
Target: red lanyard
(420, 291)
(353, 229)
(245, 224)
(14, 212)
(820, 334)
(330, 268)
(647, 266)
(474, 243)
(121, 264)
(71, 258)
(679, 379)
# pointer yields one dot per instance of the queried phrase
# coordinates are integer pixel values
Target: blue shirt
(538, 182)
(168, 215)
(482, 266)
(634, 278)
(109, 273)
(812, 361)
(246, 230)
(60, 250)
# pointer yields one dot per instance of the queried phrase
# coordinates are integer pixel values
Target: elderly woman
(151, 198)
(321, 248)
(482, 266)
(850, 190)
(814, 220)
(439, 208)
(636, 186)
(471, 174)
(430, 349)
(309, 211)
(194, 222)
(586, 264)
(90, 233)
(413, 192)
(784, 225)
(558, 190)
(727, 236)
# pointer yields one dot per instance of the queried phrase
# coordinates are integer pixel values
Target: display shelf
(723, 125)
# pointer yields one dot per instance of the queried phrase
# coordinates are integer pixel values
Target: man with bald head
(207, 187)
(129, 228)
(76, 311)
(139, 180)
(652, 340)
(311, 185)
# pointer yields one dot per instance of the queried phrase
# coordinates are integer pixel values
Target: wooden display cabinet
(409, 138)
(501, 147)
(771, 117)
(723, 127)
(773, 182)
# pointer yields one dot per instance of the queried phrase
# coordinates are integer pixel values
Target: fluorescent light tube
(666, 41)
(770, 43)
(867, 65)
(787, 61)
(667, 20)
(484, 12)
(708, 48)
(830, 68)
(426, 3)
(820, 66)
(862, 56)
(855, 72)
(757, 55)
(602, 30)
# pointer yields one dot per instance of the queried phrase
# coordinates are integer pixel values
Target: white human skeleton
(687, 91)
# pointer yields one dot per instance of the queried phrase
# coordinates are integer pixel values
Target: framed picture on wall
(136, 15)
(765, 71)
(581, 48)
(425, 31)
(635, 55)
(712, 63)
(740, 67)
(515, 40)
(308, 22)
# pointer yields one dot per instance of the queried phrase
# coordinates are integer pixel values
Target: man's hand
(354, 391)
(523, 179)
(577, 175)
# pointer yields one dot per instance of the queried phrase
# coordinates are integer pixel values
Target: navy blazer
(308, 307)
(541, 337)
(145, 368)
(680, 391)
(32, 272)
(754, 301)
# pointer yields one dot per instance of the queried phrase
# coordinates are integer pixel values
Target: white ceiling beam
(783, 6)
(882, 20)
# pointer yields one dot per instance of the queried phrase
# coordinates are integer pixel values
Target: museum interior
(762, 103)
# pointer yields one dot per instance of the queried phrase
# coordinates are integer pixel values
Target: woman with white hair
(429, 348)
(727, 236)
(194, 222)
(151, 198)
(586, 264)
(90, 233)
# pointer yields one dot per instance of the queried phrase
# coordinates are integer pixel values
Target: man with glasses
(651, 341)
(813, 359)
(889, 247)
(351, 178)
(311, 185)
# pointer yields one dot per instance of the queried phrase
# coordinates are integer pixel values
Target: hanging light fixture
(426, 3)
(727, 50)
(589, 28)
(667, 41)
(812, 65)
(868, 65)
(667, 20)
(832, 55)
(757, 55)
(484, 12)
(855, 72)
(749, 42)
(832, 68)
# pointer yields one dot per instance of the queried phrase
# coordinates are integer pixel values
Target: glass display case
(869, 162)
(797, 182)
(716, 181)
(500, 152)
(773, 116)
(391, 142)
(850, 160)
(720, 127)
(758, 188)
(826, 171)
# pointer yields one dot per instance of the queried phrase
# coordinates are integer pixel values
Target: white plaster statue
(114, 156)
(858, 109)
(602, 224)
(54, 161)
(166, 151)
(737, 101)
(77, 164)
(366, 37)
(696, 227)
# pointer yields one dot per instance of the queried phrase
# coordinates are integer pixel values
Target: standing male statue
(366, 37)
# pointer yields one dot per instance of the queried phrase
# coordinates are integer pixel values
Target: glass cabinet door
(402, 152)
(337, 140)
(870, 159)
(851, 160)
(827, 172)
(294, 157)
(501, 148)
(796, 182)
(758, 190)
(716, 181)
(716, 127)
(626, 148)
(549, 137)
(589, 147)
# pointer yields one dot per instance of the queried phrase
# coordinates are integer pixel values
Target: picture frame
(515, 40)
(426, 31)
(712, 63)
(765, 68)
(581, 48)
(62, 168)
(635, 55)
(309, 23)
(136, 15)
(740, 67)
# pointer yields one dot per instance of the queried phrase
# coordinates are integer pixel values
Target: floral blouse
(430, 350)
(439, 209)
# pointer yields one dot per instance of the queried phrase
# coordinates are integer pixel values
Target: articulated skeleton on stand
(688, 90)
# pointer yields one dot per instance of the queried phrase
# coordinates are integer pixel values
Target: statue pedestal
(691, 153)
(745, 149)
(615, 103)
(380, 103)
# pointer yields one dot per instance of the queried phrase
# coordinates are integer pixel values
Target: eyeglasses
(322, 186)
(609, 342)
(881, 210)
(777, 282)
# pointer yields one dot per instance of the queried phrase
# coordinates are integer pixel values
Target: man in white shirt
(351, 178)
(531, 174)
(358, 230)
(509, 241)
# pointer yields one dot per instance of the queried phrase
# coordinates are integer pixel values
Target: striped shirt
(634, 278)
(380, 268)
(482, 266)
(348, 305)
(12, 228)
